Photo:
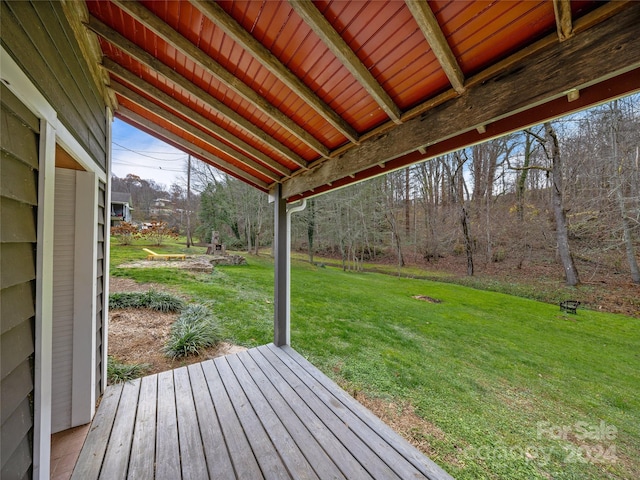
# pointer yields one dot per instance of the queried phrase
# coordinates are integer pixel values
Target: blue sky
(134, 151)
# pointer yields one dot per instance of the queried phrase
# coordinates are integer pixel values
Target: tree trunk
(626, 225)
(311, 227)
(407, 203)
(189, 242)
(521, 186)
(562, 235)
(468, 247)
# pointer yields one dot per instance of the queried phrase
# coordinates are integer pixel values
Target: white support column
(281, 324)
(282, 253)
(44, 303)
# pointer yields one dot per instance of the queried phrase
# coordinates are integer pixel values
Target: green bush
(154, 300)
(122, 372)
(194, 330)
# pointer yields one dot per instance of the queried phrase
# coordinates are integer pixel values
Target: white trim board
(18, 82)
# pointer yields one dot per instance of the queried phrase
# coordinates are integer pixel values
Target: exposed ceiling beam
(175, 39)
(179, 142)
(332, 39)
(220, 18)
(170, 102)
(580, 25)
(564, 22)
(77, 13)
(602, 52)
(194, 131)
(174, 77)
(433, 33)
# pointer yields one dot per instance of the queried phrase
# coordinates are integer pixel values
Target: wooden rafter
(194, 131)
(182, 44)
(172, 76)
(564, 22)
(78, 14)
(606, 50)
(431, 30)
(217, 15)
(580, 25)
(334, 42)
(173, 139)
(170, 102)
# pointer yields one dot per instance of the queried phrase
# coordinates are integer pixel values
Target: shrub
(158, 231)
(125, 233)
(154, 300)
(122, 372)
(499, 255)
(194, 330)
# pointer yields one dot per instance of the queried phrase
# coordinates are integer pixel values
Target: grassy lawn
(511, 387)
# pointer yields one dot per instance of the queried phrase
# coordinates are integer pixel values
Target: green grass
(492, 372)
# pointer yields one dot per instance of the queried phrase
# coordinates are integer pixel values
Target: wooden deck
(263, 413)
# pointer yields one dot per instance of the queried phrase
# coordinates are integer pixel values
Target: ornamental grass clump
(154, 300)
(195, 329)
(118, 372)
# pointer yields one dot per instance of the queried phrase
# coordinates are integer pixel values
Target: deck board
(213, 441)
(265, 413)
(193, 463)
(167, 454)
(141, 465)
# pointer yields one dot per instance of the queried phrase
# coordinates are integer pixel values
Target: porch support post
(281, 249)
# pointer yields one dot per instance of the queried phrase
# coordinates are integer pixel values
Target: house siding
(40, 40)
(18, 213)
(101, 276)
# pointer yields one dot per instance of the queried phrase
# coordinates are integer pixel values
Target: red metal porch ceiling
(383, 35)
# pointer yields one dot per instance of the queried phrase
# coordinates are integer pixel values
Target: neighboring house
(161, 207)
(120, 208)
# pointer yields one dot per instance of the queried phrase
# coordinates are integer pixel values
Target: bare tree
(619, 189)
(562, 235)
(458, 190)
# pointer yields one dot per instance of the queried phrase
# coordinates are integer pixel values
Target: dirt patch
(139, 335)
(425, 298)
(121, 285)
(199, 263)
(402, 418)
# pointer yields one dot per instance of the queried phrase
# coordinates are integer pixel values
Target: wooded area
(565, 193)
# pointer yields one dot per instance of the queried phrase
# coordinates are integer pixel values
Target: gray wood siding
(40, 39)
(101, 275)
(63, 298)
(18, 216)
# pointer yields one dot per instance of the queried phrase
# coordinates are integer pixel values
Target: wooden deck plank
(281, 439)
(263, 413)
(143, 448)
(428, 468)
(325, 422)
(213, 442)
(312, 449)
(116, 459)
(194, 465)
(242, 457)
(90, 459)
(167, 445)
(265, 452)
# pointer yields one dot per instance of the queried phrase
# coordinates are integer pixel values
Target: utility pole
(189, 201)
